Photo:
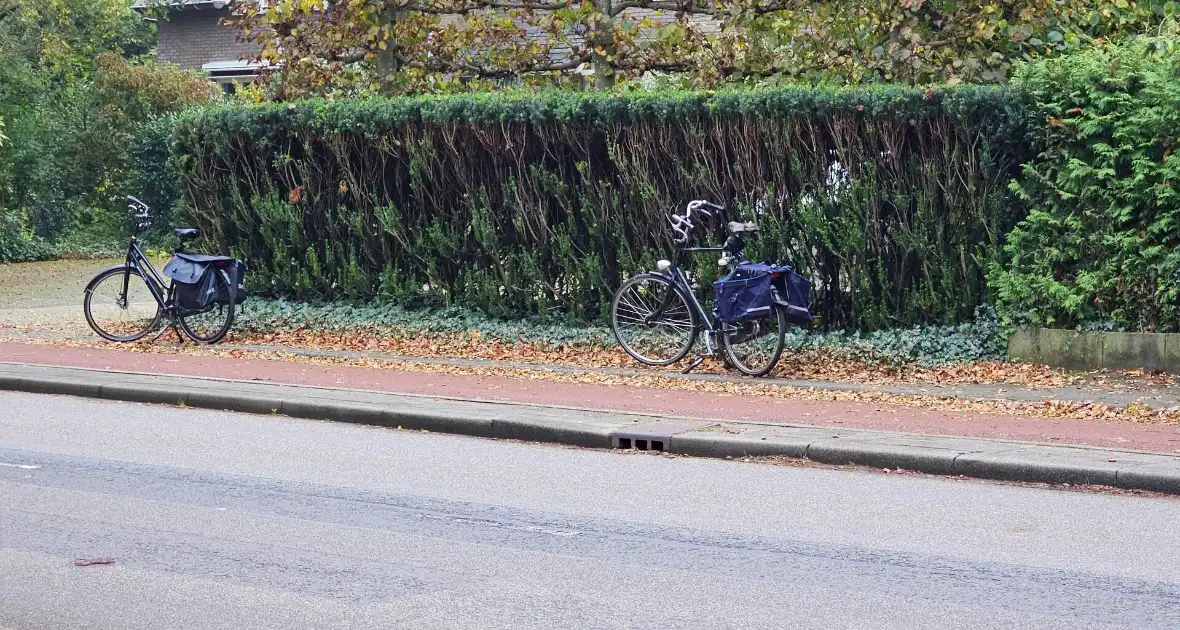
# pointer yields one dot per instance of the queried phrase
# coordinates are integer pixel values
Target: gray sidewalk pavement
(702, 437)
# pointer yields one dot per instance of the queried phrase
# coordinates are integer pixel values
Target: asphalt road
(219, 520)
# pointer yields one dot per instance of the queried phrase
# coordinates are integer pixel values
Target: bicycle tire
(780, 317)
(219, 332)
(122, 301)
(626, 306)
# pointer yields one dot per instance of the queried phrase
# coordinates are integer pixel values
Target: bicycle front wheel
(754, 347)
(209, 325)
(119, 306)
(653, 321)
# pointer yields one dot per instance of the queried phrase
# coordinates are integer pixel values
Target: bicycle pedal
(694, 365)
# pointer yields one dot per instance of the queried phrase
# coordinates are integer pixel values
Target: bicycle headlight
(663, 265)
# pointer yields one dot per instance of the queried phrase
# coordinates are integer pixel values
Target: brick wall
(193, 37)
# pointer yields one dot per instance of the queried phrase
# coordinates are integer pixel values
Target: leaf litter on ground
(451, 347)
(877, 360)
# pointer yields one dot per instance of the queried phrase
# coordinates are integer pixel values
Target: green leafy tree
(61, 38)
(922, 41)
(444, 45)
(47, 60)
(348, 46)
(71, 103)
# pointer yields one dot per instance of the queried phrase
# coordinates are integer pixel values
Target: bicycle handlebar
(143, 220)
(141, 209)
(683, 224)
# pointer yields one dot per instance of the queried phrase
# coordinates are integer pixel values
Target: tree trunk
(604, 74)
(604, 77)
(387, 61)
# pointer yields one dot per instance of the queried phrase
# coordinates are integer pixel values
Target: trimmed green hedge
(893, 200)
(1098, 249)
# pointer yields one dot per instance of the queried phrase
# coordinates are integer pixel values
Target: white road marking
(20, 466)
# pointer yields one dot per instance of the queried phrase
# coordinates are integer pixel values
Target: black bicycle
(657, 318)
(127, 302)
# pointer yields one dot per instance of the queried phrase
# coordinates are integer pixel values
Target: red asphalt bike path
(696, 404)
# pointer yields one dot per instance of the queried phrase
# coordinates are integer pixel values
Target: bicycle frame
(710, 325)
(136, 258)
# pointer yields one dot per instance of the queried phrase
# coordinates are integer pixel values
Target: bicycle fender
(652, 274)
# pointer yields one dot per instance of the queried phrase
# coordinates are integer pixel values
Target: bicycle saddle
(738, 227)
(183, 233)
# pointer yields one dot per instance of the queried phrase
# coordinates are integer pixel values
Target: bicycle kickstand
(164, 331)
(694, 365)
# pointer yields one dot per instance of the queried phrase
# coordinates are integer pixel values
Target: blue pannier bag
(746, 293)
(794, 293)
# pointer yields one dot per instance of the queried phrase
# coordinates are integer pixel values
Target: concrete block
(718, 444)
(229, 400)
(145, 392)
(335, 410)
(1054, 464)
(907, 454)
(1171, 361)
(1162, 477)
(441, 420)
(1023, 345)
(656, 436)
(1070, 349)
(70, 385)
(10, 381)
(1129, 351)
(556, 430)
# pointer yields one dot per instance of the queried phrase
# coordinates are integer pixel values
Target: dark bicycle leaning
(126, 302)
(657, 318)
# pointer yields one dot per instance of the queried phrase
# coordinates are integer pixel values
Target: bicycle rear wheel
(651, 335)
(754, 347)
(119, 306)
(211, 324)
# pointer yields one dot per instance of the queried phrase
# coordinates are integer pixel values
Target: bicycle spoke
(206, 324)
(652, 339)
(643, 309)
(121, 315)
(755, 346)
(642, 295)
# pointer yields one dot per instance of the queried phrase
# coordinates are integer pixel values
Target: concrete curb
(940, 455)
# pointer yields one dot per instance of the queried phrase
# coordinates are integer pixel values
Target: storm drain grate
(640, 444)
(653, 436)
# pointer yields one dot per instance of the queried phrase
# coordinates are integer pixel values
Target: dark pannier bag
(797, 293)
(744, 294)
(236, 289)
(751, 288)
(201, 281)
